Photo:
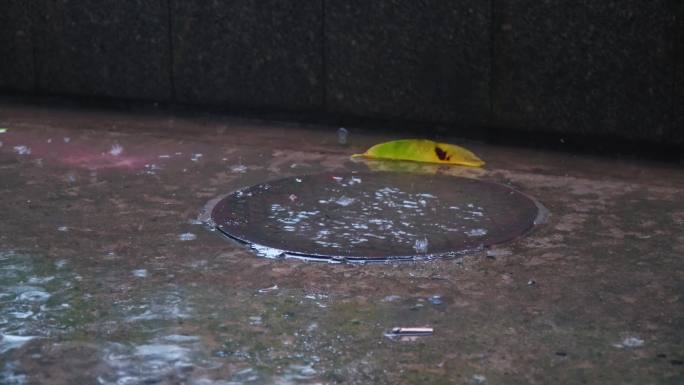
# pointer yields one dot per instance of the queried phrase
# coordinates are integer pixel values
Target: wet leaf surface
(423, 150)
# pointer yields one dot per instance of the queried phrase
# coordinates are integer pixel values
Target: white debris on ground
(629, 343)
(268, 289)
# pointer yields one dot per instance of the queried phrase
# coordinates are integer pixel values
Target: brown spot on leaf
(441, 154)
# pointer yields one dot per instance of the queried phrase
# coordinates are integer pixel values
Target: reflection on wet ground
(108, 276)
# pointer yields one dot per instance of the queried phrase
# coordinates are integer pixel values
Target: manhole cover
(374, 216)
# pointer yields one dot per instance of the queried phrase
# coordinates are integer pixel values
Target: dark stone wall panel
(594, 67)
(104, 48)
(246, 53)
(405, 59)
(678, 128)
(16, 51)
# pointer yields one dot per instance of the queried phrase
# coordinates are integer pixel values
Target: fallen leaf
(423, 150)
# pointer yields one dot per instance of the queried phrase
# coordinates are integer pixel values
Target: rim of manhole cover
(378, 216)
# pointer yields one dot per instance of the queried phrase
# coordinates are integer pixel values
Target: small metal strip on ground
(381, 216)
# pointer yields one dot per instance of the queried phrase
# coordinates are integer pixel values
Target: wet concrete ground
(107, 277)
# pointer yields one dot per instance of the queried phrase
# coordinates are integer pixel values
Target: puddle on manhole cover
(365, 217)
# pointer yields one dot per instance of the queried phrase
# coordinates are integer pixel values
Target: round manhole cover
(374, 216)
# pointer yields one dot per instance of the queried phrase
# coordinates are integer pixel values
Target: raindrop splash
(116, 150)
(421, 245)
(342, 134)
(22, 150)
(140, 273)
(187, 237)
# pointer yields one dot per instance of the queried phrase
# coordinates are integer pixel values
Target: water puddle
(160, 334)
(35, 299)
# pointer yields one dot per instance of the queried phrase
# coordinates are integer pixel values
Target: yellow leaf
(423, 150)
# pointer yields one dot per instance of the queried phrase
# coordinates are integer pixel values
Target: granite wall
(610, 68)
(17, 72)
(599, 67)
(248, 53)
(677, 131)
(406, 59)
(110, 48)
